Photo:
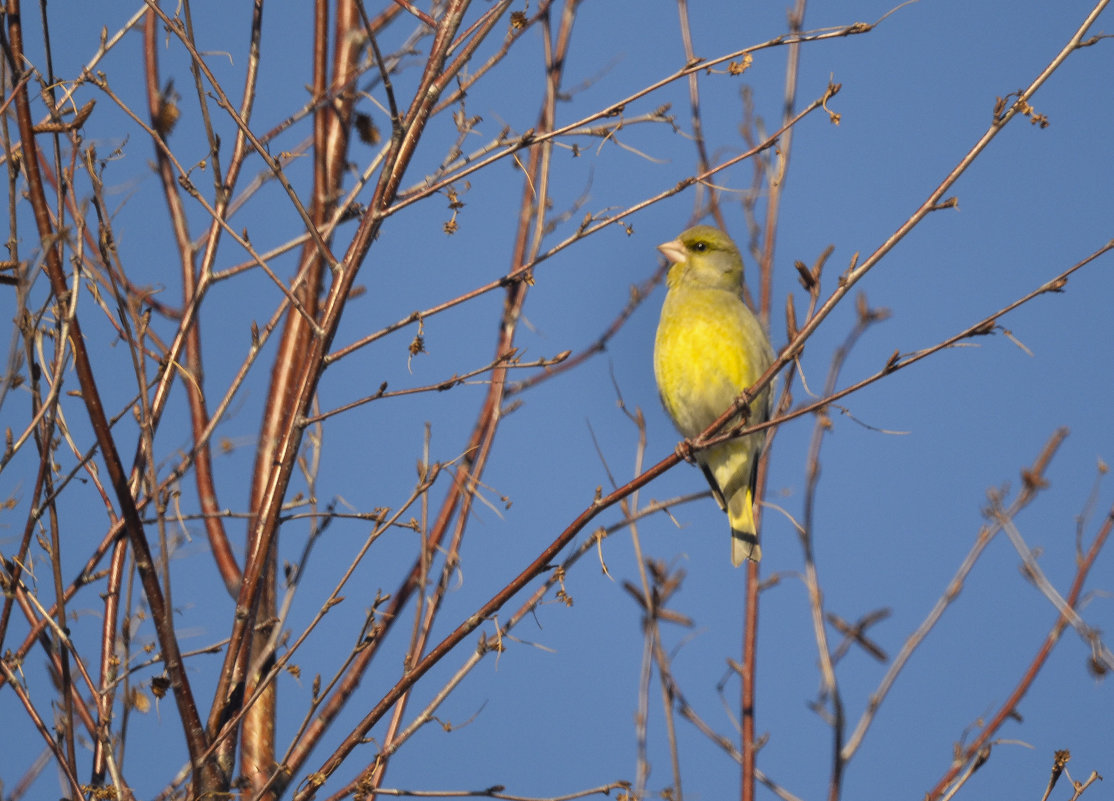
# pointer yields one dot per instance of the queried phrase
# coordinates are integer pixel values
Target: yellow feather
(709, 348)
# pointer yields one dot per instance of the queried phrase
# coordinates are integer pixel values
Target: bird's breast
(704, 355)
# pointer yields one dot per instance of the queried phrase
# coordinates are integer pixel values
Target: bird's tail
(744, 534)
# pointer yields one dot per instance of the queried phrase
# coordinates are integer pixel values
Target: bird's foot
(684, 451)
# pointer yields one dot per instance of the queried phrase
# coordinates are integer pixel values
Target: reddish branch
(774, 184)
(532, 215)
(205, 773)
(191, 291)
(303, 380)
(1009, 707)
(332, 125)
(301, 359)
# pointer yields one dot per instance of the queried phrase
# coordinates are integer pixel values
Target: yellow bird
(709, 348)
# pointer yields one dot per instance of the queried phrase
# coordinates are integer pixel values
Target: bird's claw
(684, 451)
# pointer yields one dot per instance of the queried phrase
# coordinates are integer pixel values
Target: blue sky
(896, 512)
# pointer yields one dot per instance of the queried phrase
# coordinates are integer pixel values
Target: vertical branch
(109, 666)
(195, 283)
(331, 131)
(829, 684)
(161, 110)
(531, 225)
(750, 660)
(129, 308)
(190, 326)
(221, 190)
(694, 105)
(668, 696)
(490, 414)
(776, 172)
(773, 184)
(60, 653)
(401, 145)
(302, 383)
(204, 772)
(653, 601)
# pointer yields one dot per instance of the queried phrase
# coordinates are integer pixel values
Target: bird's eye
(699, 247)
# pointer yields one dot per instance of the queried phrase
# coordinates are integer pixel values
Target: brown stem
(59, 757)
(532, 215)
(205, 775)
(766, 272)
(1009, 706)
(102, 746)
(192, 290)
(303, 383)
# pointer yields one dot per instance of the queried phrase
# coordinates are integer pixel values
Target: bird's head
(704, 256)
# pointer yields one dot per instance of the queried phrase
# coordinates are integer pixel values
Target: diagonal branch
(205, 775)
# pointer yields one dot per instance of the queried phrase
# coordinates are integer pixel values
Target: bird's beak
(673, 250)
